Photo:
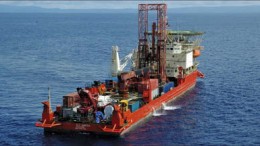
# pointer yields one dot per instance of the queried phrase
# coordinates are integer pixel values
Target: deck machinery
(164, 67)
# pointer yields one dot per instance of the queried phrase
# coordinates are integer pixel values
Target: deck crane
(119, 65)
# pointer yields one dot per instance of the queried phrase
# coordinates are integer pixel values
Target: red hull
(186, 83)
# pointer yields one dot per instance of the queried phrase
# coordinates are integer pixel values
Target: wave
(156, 113)
(165, 107)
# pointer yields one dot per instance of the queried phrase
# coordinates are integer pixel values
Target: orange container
(70, 101)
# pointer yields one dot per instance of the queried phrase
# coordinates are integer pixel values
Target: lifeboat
(196, 53)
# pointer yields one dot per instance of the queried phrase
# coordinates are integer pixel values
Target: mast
(49, 97)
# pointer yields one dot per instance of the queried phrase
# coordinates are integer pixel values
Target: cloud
(123, 4)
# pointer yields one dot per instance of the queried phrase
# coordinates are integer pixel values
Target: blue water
(65, 51)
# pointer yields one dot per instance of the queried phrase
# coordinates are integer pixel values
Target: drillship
(164, 67)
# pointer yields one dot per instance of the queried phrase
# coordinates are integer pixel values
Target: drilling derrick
(152, 52)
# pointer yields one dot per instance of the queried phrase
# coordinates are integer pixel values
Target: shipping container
(133, 105)
(71, 100)
(165, 88)
(142, 86)
(153, 84)
(68, 101)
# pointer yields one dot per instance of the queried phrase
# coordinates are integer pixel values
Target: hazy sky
(122, 4)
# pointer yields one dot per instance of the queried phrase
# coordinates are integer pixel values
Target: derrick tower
(152, 52)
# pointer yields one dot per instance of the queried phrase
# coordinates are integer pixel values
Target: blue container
(167, 87)
(134, 105)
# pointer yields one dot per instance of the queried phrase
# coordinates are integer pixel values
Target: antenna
(49, 97)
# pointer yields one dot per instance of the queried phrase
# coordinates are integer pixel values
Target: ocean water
(65, 51)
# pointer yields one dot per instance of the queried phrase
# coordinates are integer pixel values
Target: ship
(164, 67)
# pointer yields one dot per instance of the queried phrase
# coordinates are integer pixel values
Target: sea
(64, 51)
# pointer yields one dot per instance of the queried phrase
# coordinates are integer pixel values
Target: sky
(123, 4)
